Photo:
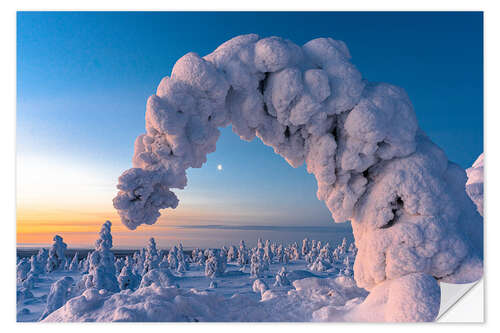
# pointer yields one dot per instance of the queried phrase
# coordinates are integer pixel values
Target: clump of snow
(475, 183)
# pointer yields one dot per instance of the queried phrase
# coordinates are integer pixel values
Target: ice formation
(475, 183)
(361, 140)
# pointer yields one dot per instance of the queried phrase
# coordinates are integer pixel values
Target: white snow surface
(475, 183)
(361, 140)
(233, 299)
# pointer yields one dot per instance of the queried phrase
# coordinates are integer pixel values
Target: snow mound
(413, 298)
(475, 182)
(157, 303)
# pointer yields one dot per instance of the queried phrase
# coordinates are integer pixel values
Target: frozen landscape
(414, 224)
(269, 282)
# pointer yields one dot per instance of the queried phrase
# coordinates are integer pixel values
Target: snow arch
(407, 203)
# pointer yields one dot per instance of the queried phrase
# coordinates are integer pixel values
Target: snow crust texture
(361, 140)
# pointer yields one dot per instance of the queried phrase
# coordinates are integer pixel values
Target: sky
(83, 80)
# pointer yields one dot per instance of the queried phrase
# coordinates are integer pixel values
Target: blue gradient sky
(83, 80)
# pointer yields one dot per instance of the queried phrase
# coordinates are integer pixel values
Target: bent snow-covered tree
(361, 140)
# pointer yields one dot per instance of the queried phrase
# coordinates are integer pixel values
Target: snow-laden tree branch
(374, 166)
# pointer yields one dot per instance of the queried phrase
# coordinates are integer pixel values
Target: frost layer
(407, 203)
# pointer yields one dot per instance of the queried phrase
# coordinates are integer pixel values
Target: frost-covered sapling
(56, 259)
(102, 274)
(281, 279)
(151, 260)
(232, 254)
(215, 265)
(172, 258)
(119, 264)
(127, 278)
(305, 247)
(73, 266)
(23, 268)
(243, 258)
(257, 263)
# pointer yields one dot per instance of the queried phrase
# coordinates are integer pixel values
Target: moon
(219, 167)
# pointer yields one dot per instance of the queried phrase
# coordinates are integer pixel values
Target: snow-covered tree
(57, 259)
(23, 268)
(268, 252)
(102, 274)
(42, 258)
(127, 278)
(243, 258)
(232, 253)
(151, 260)
(305, 247)
(182, 265)
(119, 264)
(281, 279)
(73, 266)
(37, 267)
(257, 263)
(211, 265)
(172, 258)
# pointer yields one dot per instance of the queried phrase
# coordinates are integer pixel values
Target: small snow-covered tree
(182, 264)
(37, 267)
(56, 259)
(268, 253)
(102, 274)
(281, 279)
(42, 257)
(232, 253)
(242, 254)
(305, 247)
(23, 268)
(127, 278)
(172, 258)
(257, 263)
(119, 264)
(73, 266)
(151, 260)
(211, 265)
(215, 265)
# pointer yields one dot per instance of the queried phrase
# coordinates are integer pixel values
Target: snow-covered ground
(270, 282)
(30, 309)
